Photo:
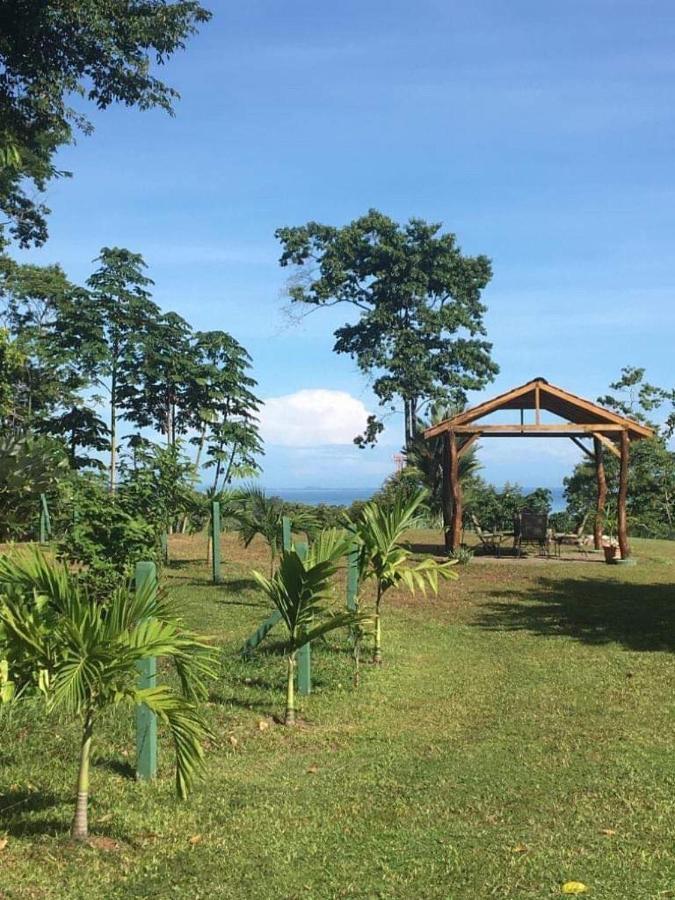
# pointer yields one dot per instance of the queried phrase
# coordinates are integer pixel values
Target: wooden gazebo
(582, 419)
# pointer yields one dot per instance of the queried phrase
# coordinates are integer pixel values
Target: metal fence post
(146, 720)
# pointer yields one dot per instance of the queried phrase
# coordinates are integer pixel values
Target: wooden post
(446, 493)
(215, 541)
(146, 720)
(601, 484)
(456, 493)
(622, 524)
(304, 653)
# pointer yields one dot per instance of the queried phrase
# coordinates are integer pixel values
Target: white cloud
(312, 417)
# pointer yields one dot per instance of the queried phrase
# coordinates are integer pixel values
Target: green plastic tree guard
(304, 653)
(263, 630)
(352, 578)
(164, 542)
(286, 534)
(215, 541)
(45, 522)
(146, 720)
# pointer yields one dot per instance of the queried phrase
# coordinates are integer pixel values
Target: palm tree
(260, 514)
(302, 593)
(81, 656)
(379, 531)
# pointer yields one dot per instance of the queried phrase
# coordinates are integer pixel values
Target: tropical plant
(260, 514)
(29, 466)
(105, 538)
(81, 656)
(301, 592)
(384, 560)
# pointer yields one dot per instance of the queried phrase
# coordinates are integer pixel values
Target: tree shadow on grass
(18, 809)
(116, 766)
(592, 610)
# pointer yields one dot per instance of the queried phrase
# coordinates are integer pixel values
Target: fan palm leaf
(83, 656)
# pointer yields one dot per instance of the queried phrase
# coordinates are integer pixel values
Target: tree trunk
(356, 657)
(113, 432)
(377, 651)
(79, 830)
(622, 524)
(290, 691)
(601, 483)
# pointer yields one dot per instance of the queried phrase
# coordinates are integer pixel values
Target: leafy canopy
(420, 331)
(52, 54)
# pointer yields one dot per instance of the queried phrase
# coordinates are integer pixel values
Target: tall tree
(111, 325)
(50, 52)
(420, 331)
(223, 409)
(651, 471)
(32, 302)
(161, 372)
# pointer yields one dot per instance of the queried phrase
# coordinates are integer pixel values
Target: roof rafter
(585, 417)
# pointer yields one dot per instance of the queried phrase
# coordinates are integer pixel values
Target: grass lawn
(519, 735)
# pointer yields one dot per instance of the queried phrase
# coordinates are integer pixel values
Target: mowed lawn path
(519, 735)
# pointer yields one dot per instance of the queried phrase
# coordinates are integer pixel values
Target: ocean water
(329, 495)
(344, 496)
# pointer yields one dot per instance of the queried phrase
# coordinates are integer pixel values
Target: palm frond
(188, 731)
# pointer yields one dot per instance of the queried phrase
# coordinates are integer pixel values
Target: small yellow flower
(574, 887)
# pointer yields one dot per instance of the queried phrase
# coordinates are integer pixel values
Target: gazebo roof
(584, 418)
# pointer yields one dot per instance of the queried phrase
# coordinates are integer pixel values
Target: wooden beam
(537, 405)
(481, 410)
(446, 497)
(456, 493)
(468, 443)
(594, 408)
(622, 523)
(610, 445)
(549, 430)
(581, 446)
(601, 493)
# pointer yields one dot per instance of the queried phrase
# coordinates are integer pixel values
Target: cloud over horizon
(312, 417)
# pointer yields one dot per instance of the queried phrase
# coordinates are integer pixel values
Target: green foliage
(462, 555)
(81, 656)
(223, 408)
(105, 537)
(420, 335)
(157, 485)
(302, 592)
(382, 558)
(258, 514)
(651, 471)
(51, 52)
(29, 466)
(496, 509)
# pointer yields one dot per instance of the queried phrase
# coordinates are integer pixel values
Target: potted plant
(610, 545)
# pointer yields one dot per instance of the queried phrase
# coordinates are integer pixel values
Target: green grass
(519, 735)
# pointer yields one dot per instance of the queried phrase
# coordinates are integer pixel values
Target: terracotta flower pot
(610, 553)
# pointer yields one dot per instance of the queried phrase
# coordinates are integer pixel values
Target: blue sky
(542, 134)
